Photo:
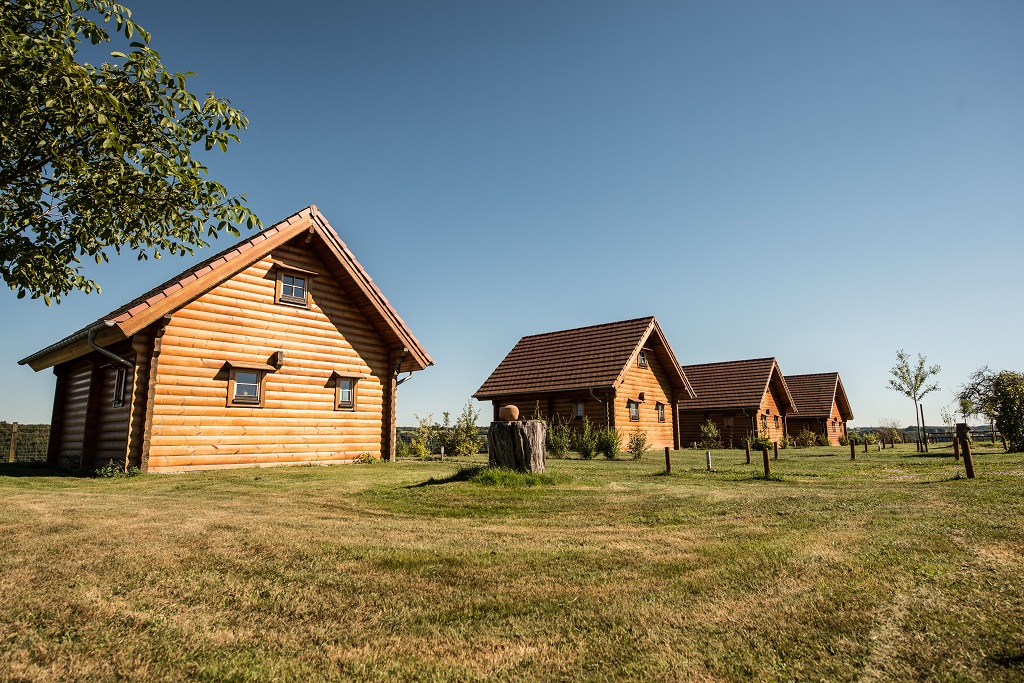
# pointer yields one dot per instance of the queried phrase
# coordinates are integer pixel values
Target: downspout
(91, 341)
(594, 396)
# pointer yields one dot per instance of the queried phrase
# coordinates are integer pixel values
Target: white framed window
(634, 410)
(661, 411)
(641, 359)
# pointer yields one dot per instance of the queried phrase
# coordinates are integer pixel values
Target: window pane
(346, 391)
(293, 286)
(247, 384)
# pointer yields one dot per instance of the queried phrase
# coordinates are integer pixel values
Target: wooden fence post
(776, 445)
(14, 442)
(965, 447)
(865, 445)
(956, 448)
(767, 463)
(748, 451)
(853, 450)
(668, 460)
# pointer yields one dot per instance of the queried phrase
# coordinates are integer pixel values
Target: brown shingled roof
(733, 384)
(187, 286)
(815, 393)
(581, 358)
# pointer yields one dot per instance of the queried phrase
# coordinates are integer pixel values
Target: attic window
(293, 285)
(641, 360)
(634, 410)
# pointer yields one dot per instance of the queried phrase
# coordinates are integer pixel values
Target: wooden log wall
(654, 383)
(76, 402)
(192, 425)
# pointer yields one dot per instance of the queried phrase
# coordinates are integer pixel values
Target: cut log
(517, 445)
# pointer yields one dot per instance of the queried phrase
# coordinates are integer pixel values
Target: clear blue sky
(822, 182)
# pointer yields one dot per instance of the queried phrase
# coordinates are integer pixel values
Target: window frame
(353, 401)
(284, 270)
(261, 387)
(120, 383)
(641, 359)
(579, 410)
(660, 407)
(634, 410)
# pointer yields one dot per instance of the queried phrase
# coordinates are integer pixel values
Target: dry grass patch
(607, 571)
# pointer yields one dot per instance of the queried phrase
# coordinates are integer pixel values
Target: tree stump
(517, 445)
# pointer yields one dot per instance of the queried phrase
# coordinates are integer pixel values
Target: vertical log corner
(517, 446)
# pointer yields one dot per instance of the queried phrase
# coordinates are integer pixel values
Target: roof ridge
(730, 362)
(587, 327)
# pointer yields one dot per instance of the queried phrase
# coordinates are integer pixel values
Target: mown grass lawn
(890, 567)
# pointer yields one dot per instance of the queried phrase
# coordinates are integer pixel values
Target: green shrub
(822, 440)
(760, 441)
(609, 442)
(785, 443)
(844, 440)
(709, 436)
(1008, 391)
(462, 438)
(637, 445)
(805, 438)
(585, 440)
(559, 438)
(114, 470)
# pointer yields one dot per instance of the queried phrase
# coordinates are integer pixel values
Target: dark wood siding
(76, 404)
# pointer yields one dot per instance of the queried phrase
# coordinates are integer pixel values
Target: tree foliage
(94, 158)
(999, 396)
(911, 380)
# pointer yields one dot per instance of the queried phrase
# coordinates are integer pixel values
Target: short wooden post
(767, 463)
(14, 442)
(965, 447)
(853, 450)
(748, 451)
(956, 448)
(708, 459)
(776, 444)
(865, 445)
(918, 445)
(880, 444)
(668, 460)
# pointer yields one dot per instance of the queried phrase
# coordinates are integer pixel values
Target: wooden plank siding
(654, 383)
(558, 405)
(193, 427)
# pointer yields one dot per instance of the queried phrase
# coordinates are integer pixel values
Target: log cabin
(823, 407)
(279, 350)
(743, 397)
(622, 374)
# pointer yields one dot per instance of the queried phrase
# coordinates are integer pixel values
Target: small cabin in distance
(823, 407)
(278, 350)
(743, 397)
(622, 374)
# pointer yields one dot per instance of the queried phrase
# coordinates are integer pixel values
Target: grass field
(890, 567)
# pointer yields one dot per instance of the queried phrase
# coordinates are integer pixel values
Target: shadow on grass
(1009, 660)
(464, 474)
(40, 469)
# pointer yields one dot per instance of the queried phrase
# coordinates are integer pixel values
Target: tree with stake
(99, 158)
(911, 381)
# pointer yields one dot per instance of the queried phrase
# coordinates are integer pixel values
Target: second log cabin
(622, 374)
